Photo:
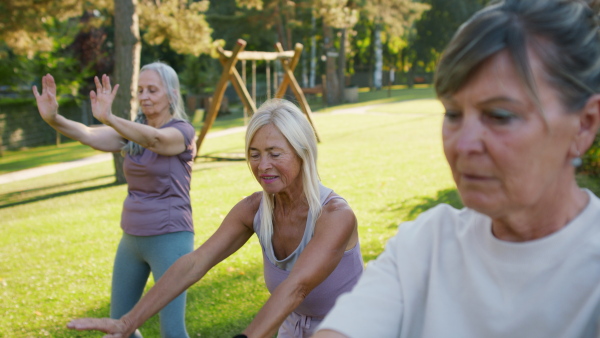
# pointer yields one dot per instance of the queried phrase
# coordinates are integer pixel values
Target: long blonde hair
(288, 119)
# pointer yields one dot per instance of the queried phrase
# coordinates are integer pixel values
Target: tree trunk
(342, 66)
(332, 90)
(313, 52)
(127, 64)
(377, 73)
(280, 25)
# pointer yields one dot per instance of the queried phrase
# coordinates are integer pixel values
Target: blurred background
(366, 44)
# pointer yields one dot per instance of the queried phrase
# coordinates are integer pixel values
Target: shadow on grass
(407, 211)
(424, 203)
(51, 195)
(221, 307)
(21, 197)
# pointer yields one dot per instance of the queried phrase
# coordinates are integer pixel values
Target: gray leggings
(136, 257)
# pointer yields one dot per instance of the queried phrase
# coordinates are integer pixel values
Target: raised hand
(115, 328)
(46, 102)
(102, 99)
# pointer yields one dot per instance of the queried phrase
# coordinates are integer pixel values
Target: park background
(380, 150)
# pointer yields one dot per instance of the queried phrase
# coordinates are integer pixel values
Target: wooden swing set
(289, 61)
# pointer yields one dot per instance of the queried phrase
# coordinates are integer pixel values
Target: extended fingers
(106, 83)
(49, 85)
(114, 91)
(88, 324)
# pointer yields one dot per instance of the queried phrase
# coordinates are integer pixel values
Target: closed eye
(452, 115)
(500, 116)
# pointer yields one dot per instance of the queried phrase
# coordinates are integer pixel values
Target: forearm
(101, 137)
(282, 302)
(71, 129)
(141, 134)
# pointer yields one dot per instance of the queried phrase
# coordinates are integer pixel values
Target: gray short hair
(563, 33)
(169, 78)
(294, 126)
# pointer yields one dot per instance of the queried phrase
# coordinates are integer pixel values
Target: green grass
(60, 231)
(42, 156)
(71, 150)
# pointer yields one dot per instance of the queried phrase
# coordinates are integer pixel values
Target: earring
(576, 161)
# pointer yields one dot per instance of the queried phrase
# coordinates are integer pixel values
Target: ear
(589, 123)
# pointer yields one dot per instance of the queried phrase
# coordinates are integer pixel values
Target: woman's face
(152, 94)
(506, 154)
(274, 162)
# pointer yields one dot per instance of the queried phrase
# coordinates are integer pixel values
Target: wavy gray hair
(169, 78)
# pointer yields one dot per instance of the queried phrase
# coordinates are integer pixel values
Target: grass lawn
(71, 150)
(60, 231)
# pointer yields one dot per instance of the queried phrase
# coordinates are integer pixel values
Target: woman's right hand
(46, 102)
(116, 328)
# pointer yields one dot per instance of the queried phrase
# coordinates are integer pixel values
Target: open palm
(114, 327)
(102, 99)
(46, 102)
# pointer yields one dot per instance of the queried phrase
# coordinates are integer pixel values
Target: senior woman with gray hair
(308, 235)
(159, 150)
(520, 83)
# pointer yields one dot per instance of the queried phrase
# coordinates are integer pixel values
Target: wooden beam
(260, 55)
(240, 88)
(219, 92)
(291, 80)
(292, 64)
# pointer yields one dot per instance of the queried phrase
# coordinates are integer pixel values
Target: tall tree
(394, 18)
(435, 29)
(343, 15)
(127, 65)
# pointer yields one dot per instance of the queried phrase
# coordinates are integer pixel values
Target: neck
(158, 120)
(550, 215)
(290, 200)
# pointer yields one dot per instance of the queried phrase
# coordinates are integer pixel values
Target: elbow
(151, 143)
(299, 293)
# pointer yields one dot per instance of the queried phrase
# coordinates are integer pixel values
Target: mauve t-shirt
(158, 196)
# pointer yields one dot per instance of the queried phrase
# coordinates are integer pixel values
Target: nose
(142, 95)
(264, 163)
(468, 135)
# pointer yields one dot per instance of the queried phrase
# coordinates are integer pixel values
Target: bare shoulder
(247, 208)
(253, 201)
(337, 212)
(337, 205)
(337, 220)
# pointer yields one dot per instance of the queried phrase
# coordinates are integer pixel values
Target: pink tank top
(322, 298)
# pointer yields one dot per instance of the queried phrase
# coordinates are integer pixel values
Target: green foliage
(591, 159)
(436, 27)
(184, 26)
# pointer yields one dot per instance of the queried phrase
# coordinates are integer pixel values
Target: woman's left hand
(115, 328)
(102, 99)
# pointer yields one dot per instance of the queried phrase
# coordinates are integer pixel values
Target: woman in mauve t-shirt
(159, 149)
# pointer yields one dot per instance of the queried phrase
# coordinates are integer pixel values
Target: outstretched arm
(235, 230)
(101, 137)
(335, 232)
(165, 141)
